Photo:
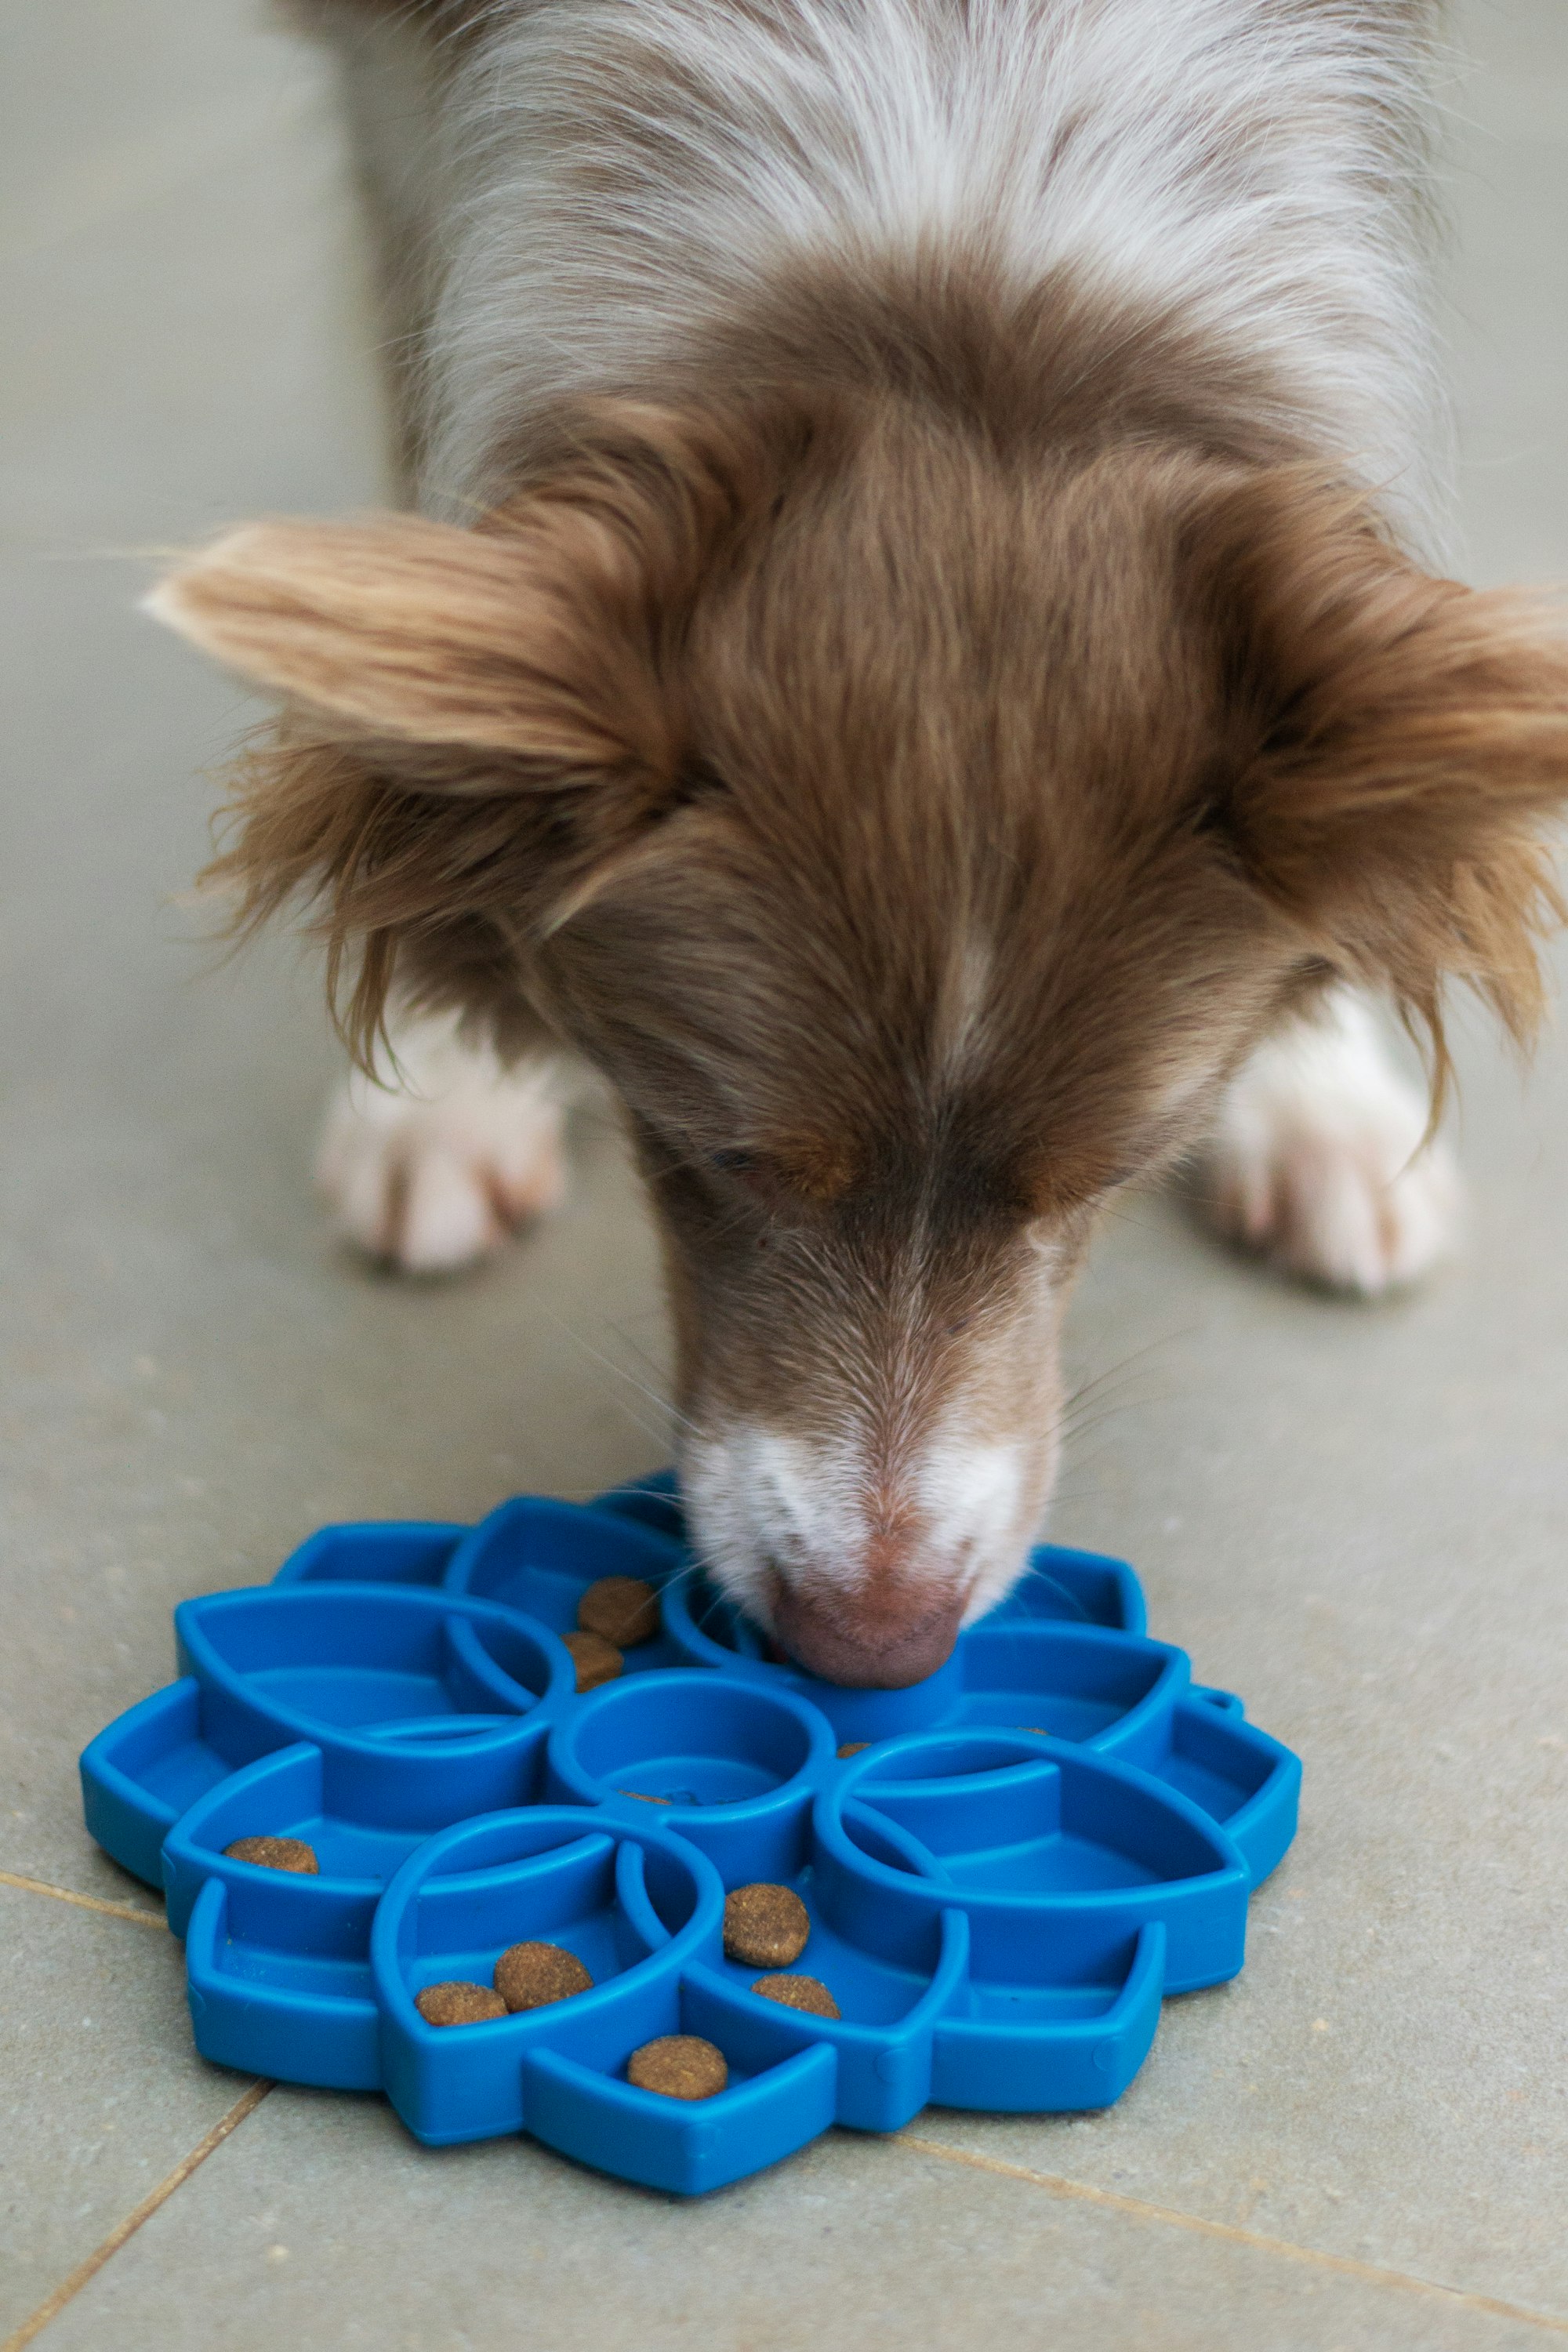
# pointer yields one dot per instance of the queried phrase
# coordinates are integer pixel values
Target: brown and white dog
(919, 658)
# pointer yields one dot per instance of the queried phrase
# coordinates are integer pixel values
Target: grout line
(85, 1902)
(51, 2307)
(1057, 2184)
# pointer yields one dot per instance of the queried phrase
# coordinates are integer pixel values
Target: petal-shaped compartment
(142, 1771)
(1022, 1836)
(539, 1558)
(1072, 1682)
(374, 1551)
(730, 1764)
(429, 1698)
(631, 1907)
(299, 2009)
(1046, 2037)
(1206, 1748)
(279, 1962)
(772, 2104)
(1086, 1587)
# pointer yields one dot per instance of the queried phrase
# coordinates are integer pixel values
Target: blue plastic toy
(1017, 1858)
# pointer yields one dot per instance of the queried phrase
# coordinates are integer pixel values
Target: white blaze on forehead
(961, 1009)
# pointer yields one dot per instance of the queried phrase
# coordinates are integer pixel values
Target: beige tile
(1518, 46)
(98, 97)
(320, 2225)
(101, 2093)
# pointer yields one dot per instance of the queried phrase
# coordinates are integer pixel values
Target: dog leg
(1317, 1161)
(432, 1169)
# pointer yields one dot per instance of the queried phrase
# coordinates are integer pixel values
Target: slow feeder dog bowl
(1016, 1860)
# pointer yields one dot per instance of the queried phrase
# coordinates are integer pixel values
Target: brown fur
(719, 747)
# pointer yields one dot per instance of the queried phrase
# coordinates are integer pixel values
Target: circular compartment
(552, 1875)
(689, 1739)
(631, 1904)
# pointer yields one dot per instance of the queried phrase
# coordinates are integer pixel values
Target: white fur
(629, 173)
(430, 1166)
(1318, 1161)
(809, 1507)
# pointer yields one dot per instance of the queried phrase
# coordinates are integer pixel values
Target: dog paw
(434, 1171)
(1318, 1161)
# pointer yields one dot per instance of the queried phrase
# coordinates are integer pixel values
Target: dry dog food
(622, 1607)
(679, 2066)
(764, 1926)
(854, 1747)
(530, 1976)
(276, 1853)
(596, 1660)
(459, 2003)
(799, 1992)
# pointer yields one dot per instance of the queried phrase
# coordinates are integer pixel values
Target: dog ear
(479, 726)
(1406, 737)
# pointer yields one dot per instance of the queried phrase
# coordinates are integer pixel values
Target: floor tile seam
(1380, 2274)
(85, 1902)
(87, 2269)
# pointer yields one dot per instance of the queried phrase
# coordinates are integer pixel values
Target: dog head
(917, 831)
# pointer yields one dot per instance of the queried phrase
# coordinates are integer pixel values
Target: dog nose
(883, 1639)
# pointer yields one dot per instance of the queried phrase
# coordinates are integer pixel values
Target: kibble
(276, 1853)
(622, 1607)
(767, 1927)
(596, 1660)
(458, 2003)
(799, 1992)
(854, 1747)
(679, 2066)
(530, 1976)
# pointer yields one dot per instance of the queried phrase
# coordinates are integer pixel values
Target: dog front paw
(1318, 1161)
(433, 1171)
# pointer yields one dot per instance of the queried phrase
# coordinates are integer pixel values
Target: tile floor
(1355, 1518)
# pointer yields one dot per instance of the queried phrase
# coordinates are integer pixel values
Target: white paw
(1317, 1161)
(433, 1171)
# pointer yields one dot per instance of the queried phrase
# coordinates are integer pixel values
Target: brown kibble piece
(854, 1747)
(799, 1992)
(679, 2066)
(458, 2003)
(530, 1976)
(767, 1927)
(276, 1853)
(596, 1660)
(622, 1607)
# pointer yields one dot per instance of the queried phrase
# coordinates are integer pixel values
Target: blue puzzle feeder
(1005, 1867)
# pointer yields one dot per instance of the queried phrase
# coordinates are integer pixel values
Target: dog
(920, 651)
